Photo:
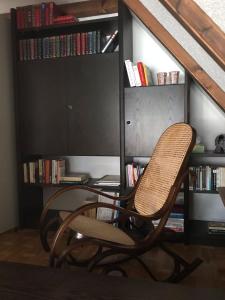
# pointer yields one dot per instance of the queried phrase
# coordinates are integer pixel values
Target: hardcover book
(74, 177)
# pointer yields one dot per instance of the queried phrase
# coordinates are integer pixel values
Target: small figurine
(220, 144)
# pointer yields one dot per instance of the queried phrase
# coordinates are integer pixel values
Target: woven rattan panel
(163, 168)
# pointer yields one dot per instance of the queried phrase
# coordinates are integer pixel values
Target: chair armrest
(79, 187)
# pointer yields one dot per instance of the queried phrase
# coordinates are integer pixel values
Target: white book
(130, 72)
(96, 17)
(136, 76)
(107, 214)
(25, 173)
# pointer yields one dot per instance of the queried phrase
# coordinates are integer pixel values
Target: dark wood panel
(42, 107)
(148, 112)
(31, 206)
(185, 59)
(200, 26)
(93, 93)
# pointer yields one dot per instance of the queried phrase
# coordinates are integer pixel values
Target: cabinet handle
(128, 122)
(69, 106)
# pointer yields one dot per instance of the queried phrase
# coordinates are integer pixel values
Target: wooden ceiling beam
(200, 26)
(180, 54)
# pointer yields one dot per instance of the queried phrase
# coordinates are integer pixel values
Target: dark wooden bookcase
(67, 106)
(83, 106)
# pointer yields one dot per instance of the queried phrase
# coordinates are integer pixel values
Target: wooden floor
(24, 247)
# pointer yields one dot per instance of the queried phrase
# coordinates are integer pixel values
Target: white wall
(205, 116)
(8, 191)
(186, 41)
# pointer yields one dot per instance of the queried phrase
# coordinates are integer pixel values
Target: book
(199, 148)
(96, 17)
(110, 41)
(109, 180)
(130, 72)
(141, 73)
(74, 177)
(136, 76)
(68, 19)
(148, 75)
(104, 213)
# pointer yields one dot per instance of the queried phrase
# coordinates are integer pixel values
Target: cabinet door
(148, 112)
(42, 107)
(93, 96)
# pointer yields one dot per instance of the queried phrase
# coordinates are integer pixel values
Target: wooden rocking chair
(153, 198)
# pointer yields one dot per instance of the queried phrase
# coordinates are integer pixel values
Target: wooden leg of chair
(44, 233)
(181, 267)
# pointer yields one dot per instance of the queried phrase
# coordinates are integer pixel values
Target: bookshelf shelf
(203, 192)
(22, 33)
(209, 153)
(155, 86)
(76, 57)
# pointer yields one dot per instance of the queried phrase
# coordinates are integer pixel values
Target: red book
(65, 19)
(47, 14)
(18, 18)
(83, 44)
(47, 171)
(78, 43)
(141, 73)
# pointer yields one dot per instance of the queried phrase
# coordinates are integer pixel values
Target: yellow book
(148, 77)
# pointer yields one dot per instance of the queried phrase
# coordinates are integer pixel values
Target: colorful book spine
(141, 73)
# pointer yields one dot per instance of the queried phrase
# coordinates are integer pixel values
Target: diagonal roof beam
(200, 26)
(181, 55)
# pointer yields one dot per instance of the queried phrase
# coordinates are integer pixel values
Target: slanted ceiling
(200, 26)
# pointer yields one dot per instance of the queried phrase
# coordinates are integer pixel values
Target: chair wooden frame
(181, 267)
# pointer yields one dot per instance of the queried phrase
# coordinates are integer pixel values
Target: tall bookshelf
(66, 105)
(82, 105)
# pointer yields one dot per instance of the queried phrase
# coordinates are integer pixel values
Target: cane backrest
(163, 169)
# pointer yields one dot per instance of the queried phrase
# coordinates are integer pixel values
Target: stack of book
(107, 214)
(174, 223)
(108, 180)
(74, 178)
(138, 74)
(216, 228)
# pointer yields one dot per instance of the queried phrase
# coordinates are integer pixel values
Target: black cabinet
(148, 112)
(93, 101)
(42, 107)
(70, 106)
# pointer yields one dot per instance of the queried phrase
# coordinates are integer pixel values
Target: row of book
(138, 74)
(206, 178)
(36, 15)
(215, 227)
(44, 171)
(133, 172)
(80, 43)
(174, 223)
